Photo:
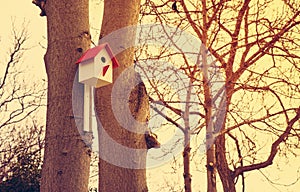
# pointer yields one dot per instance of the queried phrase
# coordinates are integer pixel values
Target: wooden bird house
(96, 66)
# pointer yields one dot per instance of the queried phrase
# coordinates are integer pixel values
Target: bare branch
(274, 149)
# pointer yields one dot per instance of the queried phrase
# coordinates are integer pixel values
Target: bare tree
(21, 151)
(256, 53)
(21, 135)
(173, 95)
(17, 99)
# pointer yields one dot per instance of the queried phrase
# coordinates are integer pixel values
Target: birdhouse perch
(96, 66)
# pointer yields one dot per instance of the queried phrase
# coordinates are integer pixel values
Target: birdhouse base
(95, 82)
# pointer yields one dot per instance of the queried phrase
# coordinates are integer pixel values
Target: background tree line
(250, 120)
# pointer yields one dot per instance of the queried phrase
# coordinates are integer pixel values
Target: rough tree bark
(67, 158)
(112, 177)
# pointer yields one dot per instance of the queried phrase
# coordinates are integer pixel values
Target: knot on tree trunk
(41, 5)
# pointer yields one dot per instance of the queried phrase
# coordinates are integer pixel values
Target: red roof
(91, 53)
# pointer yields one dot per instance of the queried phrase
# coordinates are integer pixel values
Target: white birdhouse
(96, 66)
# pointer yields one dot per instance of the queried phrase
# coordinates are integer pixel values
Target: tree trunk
(186, 164)
(67, 158)
(187, 139)
(122, 160)
(208, 106)
(210, 145)
(226, 175)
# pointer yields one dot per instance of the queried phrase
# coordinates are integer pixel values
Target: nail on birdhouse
(96, 66)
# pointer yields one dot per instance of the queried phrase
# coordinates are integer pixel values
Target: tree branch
(274, 149)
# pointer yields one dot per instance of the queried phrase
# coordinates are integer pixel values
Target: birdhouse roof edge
(112, 57)
(91, 53)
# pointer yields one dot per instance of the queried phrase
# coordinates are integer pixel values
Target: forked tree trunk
(118, 171)
(67, 158)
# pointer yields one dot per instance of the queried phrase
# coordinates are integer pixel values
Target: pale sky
(20, 10)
